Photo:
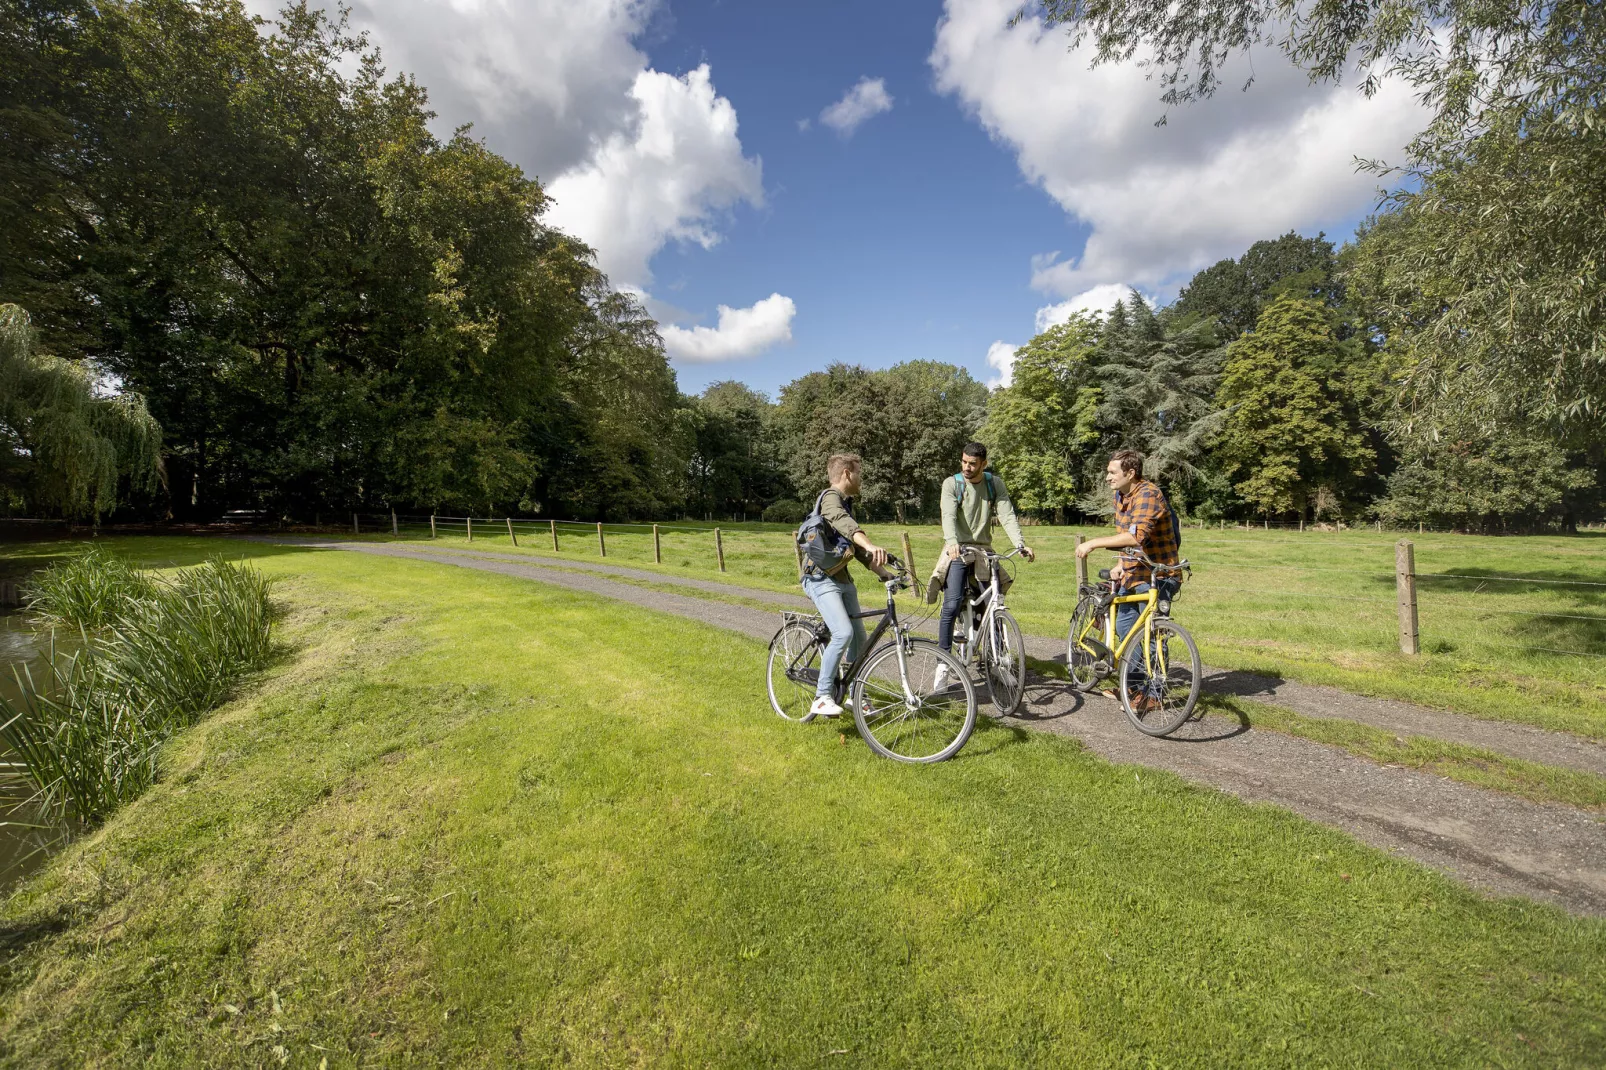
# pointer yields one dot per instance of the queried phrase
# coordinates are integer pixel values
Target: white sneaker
(824, 707)
(940, 681)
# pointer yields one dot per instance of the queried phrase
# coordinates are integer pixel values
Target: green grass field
(470, 820)
(1311, 606)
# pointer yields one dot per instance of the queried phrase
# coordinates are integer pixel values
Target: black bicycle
(897, 704)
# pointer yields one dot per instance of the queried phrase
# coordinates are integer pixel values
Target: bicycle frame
(992, 598)
(889, 621)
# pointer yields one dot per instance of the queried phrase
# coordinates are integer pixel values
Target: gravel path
(1489, 840)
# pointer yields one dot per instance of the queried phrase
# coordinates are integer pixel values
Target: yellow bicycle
(1155, 663)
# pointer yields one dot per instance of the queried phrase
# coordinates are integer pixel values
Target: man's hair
(841, 462)
(1131, 462)
(976, 450)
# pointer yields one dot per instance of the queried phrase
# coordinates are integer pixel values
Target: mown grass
(477, 821)
(1312, 606)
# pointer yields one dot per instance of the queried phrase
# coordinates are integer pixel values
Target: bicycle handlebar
(1137, 552)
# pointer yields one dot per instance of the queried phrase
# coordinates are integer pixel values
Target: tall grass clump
(155, 655)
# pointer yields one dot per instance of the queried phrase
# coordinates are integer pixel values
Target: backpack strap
(959, 488)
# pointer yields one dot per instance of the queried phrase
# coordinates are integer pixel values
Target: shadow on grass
(1214, 719)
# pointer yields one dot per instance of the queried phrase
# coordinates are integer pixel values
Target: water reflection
(25, 837)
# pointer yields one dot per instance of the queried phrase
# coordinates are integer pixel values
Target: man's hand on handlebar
(1026, 552)
(878, 556)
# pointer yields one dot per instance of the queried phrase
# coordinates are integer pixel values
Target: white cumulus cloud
(1164, 201)
(867, 99)
(1001, 359)
(742, 332)
(666, 179)
(634, 158)
(1098, 299)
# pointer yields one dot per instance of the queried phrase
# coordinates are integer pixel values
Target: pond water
(25, 839)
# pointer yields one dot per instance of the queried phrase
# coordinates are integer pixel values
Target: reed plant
(154, 655)
(85, 591)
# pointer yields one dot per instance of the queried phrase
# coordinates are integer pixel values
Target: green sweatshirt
(968, 522)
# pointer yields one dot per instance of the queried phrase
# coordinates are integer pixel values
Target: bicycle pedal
(1102, 668)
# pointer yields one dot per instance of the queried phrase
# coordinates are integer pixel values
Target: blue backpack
(823, 548)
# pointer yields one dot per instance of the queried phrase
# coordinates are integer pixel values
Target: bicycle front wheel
(794, 670)
(900, 709)
(1159, 691)
(1080, 659)
(1005, 659)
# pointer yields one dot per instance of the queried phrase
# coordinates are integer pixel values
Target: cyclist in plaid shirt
(1143, 519)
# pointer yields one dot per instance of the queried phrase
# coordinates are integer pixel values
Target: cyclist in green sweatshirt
(970, 500)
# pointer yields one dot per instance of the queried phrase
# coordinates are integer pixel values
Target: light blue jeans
(837, 600)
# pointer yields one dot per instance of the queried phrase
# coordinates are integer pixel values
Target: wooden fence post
(798, 547)
(719, 549)
(908, 556)
(657, 549)
(394, 530)
(470, 522)
(602, 545)
(554, 524)
(1405, 589)
(432, 525)
(355, 530)
(1081, 566)
(510, 534)
(1301, 523)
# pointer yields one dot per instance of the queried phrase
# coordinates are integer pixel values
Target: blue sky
(993, 183)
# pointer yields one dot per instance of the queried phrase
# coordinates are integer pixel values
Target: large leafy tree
(65, 448)
(909, 423)
(1291, 433)
(1491, 479)
(1157, 376)
(1040, 429)
(326, 305)
(1235, 291)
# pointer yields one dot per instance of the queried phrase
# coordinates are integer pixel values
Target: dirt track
(1489, 840)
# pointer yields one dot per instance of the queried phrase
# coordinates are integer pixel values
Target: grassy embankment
(1313, 606)
(473, 820)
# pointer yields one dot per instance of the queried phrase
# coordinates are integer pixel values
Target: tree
(909, 423)
(1488, 282)
(327, 306)
(1491, 481)
(1235, 291)
(1157, 377)
(1040, 429)
(1467, 58)
(1290, 435)
(64, 447)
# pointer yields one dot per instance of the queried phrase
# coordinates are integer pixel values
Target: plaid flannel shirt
(1142, 512)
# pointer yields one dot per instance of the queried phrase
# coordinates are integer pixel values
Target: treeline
(324, 305)
(253, 240)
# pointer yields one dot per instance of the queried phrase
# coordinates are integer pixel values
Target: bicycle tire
(794, 655)
(1006, 667)
(1080, 661)
(1178, 691)
(932, 730)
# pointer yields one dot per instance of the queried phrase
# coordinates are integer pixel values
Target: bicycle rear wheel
(1166, 698)
(1004, 656)
(1079, 658)
(794, 670)
(913, 723)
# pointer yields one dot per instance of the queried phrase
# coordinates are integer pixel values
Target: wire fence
(560, 535)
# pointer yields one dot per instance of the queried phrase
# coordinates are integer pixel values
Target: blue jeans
(1126, 615)
(837, 601)
(953, 596)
